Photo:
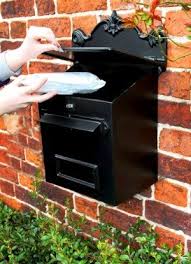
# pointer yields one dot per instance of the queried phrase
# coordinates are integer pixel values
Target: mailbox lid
(107, 56)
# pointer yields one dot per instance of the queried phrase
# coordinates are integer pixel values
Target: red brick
(33, 157)
(86, 23)
(116, 218)
(2, 123)
(176, 141)
(86, 226)
(133, 206)
(26, 181)
(7, 188)
(18, 8)
(4, 30)
(8, 174)
(60, 214)
(60, 26)
(18, 29)
(16, 150)
(25, 196)
(120, 4)
(5, 45)
(180, 18)
(34, 144)
(4, 158)
(4, 139)
(168, 238)
(73, 6)
(35, 111)
(168, 192)
(56, 194)
(168, 216)
(175, 84)
(175, 168)
(178, 114)
(12, 202)
(86, 207)
(22, 139)
(39, 67)
(45, 7)
(15, 163)
(147, 192)
(179, 57)
(28, 168)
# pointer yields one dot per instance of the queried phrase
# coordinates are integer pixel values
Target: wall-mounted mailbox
(104, 144)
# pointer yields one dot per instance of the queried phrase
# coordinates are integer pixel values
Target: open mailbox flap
(110, 42)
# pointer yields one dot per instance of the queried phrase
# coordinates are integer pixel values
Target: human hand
(15, 95)
(37, 41)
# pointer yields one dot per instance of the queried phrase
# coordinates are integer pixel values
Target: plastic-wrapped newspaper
(67, 83)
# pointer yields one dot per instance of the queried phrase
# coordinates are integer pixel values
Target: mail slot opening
(76, 172)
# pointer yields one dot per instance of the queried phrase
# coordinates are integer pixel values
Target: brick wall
(166, 205)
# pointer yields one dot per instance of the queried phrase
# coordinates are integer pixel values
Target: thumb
(47, 47)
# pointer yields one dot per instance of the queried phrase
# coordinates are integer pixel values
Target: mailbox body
(104, 144)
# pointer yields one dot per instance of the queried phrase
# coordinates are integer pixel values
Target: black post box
(104, 144)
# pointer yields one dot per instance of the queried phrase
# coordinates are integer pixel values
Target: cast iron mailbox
(104, 144)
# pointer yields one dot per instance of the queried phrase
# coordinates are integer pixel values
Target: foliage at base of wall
(28, 238)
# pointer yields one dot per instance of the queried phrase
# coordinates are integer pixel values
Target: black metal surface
(104, 144)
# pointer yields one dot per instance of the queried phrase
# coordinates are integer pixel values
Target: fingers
(34, 88)
(48, 47)
(43, 33)
(41, 98)
(18, 80)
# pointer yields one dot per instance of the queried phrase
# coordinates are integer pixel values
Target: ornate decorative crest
(79, 37)
(113, 24)
(152, 37)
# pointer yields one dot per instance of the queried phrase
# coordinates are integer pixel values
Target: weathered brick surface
(4, 158)
(26, 181)
(177, 169)
(167, 216)
(25, 196)
(179, 57)
(86, 23)
(133, 206)
(45, 7)
(175, 84)
(33, 157)
(15, 163)
(18, 29)
(176, 141)
(57, 194)
(4, 30)
(72, 6)
(86, 206)
(28, 168)
(18, 8)
(16, 150)
(60, 26)
(8, 173)
(178, 114)
(168, 238)
(5, 45)
(116, 218)
(120, 4)
(39, 67)
(180, 18)
(171, 193)
(7, 188)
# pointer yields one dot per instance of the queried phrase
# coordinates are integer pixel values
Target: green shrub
(27, 238)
